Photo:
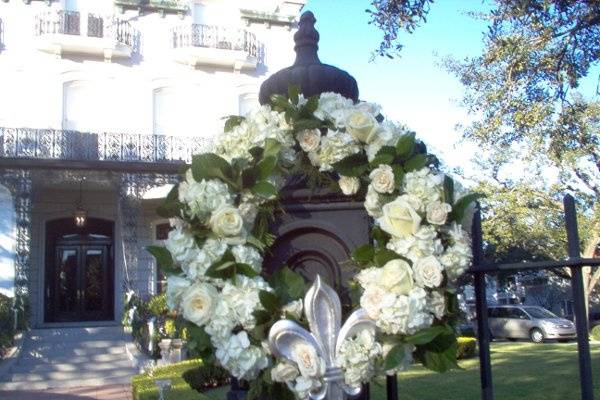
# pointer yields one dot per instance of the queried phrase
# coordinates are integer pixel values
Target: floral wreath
(405, 279)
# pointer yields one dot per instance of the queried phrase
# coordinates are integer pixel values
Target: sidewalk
(111, 392)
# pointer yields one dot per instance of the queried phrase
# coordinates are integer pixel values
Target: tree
(523, 93)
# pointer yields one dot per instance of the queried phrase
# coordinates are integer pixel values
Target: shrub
(467, 347)
(144, 388)
(596, 332)
(7, 331)
(205, 377)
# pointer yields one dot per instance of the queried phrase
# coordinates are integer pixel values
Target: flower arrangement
(406, 277)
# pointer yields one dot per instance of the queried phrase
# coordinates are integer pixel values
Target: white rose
(372, 203)
(399, 218)
(372, 300)
(397, 277)
(284, 372)
(198, 302)
(361, 125)
(349, 185)
(428, 272)
(309, 362)
(437, 212)
(382, 179)
(309, 139)
(181, 245)
(294, 308)
(176, 286)
(226, 221)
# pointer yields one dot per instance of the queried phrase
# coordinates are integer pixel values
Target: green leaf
(405, 146)
(426, 335)
(272, 148)
(224, 268)
(211, 166)
(266, 167)
(448, 190)
(171, 207)
(353, 165)
(303, 124)
(460, 207)
(440, 354)
(288, 285)
(384, 156)
(264, 189)
(310, 107)
(398, 175)
(249, 177)
(269, 301)
(380, 237)
(280, 103)
(383, 256)
(395, 357)
(163, 259)
(232, 121)
(294, 93)
(256, 153)
(416, 162)
(363, 254)
(262, 316)
(245, 269)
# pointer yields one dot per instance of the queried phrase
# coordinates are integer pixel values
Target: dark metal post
(583, 346)
(391, 383)
(483, 331)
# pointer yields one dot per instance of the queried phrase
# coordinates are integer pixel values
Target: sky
(413, 89)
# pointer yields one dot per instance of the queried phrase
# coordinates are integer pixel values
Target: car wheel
(536, 335)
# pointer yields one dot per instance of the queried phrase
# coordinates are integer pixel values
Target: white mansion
(101, 101)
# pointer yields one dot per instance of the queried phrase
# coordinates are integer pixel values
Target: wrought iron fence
(62, 22)
(217, 37)
(98, 26)
(52, 144)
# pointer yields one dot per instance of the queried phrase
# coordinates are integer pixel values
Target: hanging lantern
(80, 214)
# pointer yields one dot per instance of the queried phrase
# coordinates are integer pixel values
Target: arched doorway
(79, 284)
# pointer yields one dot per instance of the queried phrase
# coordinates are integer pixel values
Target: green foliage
(143, 386)
(7, 318)
(439, 354)
(288, 285)
(596, 333)
(467, 347)
(163, 259)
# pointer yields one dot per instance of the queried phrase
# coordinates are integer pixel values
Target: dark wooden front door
(79, 276)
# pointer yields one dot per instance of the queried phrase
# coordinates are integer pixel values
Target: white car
(528, 322)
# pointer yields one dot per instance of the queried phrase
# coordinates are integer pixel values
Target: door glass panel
(93, 280)
(67, 281)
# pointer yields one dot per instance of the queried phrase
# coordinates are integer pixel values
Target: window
(81, 106)
(160, 234)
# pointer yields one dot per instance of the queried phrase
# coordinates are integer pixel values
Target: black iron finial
(306, 40)
(308, 71)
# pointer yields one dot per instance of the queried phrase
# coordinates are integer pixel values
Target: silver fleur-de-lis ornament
(323, 311)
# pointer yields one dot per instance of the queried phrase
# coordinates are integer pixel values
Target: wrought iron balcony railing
(217, 37)
(53, 144)
(69, 23)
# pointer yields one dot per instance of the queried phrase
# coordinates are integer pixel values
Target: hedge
(7, 332)
(596, 332)
(467, 347)
(144, 388)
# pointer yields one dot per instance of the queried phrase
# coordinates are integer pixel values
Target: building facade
(101, 102)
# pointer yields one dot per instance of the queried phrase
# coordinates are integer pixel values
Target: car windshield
(538, 312)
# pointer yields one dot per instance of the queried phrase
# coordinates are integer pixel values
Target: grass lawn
(520, 371)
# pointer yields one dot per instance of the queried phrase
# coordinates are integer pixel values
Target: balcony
(162, 7)
(43, 145)
(197, 44)
(61, 32)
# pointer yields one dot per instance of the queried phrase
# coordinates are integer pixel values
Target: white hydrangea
(424, 186)
(176, 286)
(422, 244)
(333, 106)
(261, 124)
(357, 356)
(203, 197)
(386, 135)
(242, 298)
(248, 255)
(436, 304)
(211, 252)
(181, 245)
(242, 359)
(457, 257)
(335, 146)
(406, 314)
